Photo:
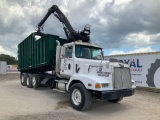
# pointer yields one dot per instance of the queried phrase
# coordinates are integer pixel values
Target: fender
(86, 79)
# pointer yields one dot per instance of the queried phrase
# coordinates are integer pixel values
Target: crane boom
(71, 34)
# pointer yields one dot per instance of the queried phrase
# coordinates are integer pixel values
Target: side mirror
(102, 54)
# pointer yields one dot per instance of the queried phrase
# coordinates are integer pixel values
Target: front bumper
(114, 94)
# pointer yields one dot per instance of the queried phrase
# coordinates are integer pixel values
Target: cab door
(67, 61)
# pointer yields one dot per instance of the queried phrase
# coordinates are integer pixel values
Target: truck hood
(98, 65)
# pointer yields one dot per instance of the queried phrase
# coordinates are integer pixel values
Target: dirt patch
(63, 104)
(156, 90)
(49, 116)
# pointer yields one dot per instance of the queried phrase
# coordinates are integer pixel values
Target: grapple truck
(73, 65)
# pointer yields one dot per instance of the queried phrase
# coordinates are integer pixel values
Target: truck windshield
(88, 52)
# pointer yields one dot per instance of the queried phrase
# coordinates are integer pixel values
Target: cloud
(114, 23)
(138, 50)
(123, 20)
(141, 39)
(2, 51)
(117, 53)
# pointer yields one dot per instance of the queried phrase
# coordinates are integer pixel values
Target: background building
(145, 67)
(3, 67)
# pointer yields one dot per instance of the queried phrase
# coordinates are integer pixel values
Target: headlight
(104, 85)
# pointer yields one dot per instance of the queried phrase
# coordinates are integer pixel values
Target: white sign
(145, 68)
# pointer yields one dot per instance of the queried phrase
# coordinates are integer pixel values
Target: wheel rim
(76, 96)
(22, 80)
(27, 81)
(33, 81)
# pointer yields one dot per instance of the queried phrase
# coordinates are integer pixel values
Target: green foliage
(9, 59)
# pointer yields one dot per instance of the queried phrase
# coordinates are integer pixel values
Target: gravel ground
(21, 103)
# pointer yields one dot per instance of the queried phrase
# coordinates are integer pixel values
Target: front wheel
(80, 97)
(116, 100)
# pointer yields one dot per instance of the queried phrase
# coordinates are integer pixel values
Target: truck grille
(122, 78)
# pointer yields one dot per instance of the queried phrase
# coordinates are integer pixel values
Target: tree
(9, 59)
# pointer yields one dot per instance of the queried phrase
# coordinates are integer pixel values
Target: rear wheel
(116, 100)
(80, 97)
(35, 81)
(23, 78)
(29, 80)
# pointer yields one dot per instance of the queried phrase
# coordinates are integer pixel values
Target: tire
(85, 98)
(151, 72)
(35, 81)
(23, 78)
(116, 100)
(29, 81)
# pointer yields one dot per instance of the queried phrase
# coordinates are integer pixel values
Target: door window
(68, 52)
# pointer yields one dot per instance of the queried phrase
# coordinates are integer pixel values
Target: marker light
(97, 85)
(89, 84)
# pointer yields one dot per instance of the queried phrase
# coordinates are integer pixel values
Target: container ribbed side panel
(38, 54)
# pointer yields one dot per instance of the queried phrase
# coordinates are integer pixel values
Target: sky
(119, 26)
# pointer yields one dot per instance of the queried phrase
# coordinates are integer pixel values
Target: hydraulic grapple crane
(71, 34)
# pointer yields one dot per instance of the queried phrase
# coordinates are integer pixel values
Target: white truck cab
(86, 75)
